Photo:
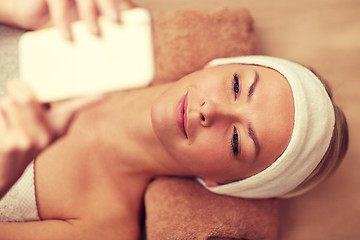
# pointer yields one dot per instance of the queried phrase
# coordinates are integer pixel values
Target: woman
(233, 120)
(90, 183)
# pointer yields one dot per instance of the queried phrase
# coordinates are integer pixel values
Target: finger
(4, 116)
(15, 131)
(26, 116)
(4, 122)
(19, 91)
(125, 4)
(59, 10)
(89, 13)
(60, 116)
(23, 97)
(109, 8)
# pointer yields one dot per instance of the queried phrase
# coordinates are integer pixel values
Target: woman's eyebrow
(252, 135)
(251, 130)
(253, 86)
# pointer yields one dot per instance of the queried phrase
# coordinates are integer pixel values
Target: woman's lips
(181, 114)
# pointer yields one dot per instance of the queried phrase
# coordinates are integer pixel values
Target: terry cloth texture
(19, 204)
(180, 208)
(195, 37)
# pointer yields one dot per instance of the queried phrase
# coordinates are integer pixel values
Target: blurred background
(323, 34)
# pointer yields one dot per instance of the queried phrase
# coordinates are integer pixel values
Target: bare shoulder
(76, 179)
(83, 192)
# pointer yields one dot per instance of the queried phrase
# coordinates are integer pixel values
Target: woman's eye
(236, 85)
(235, 142)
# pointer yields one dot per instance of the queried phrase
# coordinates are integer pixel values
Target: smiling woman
(90, 184)
(247, 123)
(225, 114)
(317, 122)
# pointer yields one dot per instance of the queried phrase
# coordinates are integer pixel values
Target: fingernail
(66, 34)
(94, 29)
(123, 5)
(99, 96)
(113, 15)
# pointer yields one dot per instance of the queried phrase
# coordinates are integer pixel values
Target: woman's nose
(212, 112)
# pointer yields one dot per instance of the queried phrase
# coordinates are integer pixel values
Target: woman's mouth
(181, 114)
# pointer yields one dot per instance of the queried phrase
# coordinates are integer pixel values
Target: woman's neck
(132, 135)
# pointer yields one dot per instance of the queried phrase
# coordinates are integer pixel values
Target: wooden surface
(323, 34)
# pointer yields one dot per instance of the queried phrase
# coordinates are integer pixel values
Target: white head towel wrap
(312, 132)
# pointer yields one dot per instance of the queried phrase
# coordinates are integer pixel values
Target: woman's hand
(27, 127)
(35, 14)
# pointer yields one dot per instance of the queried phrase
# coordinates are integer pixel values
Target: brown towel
(185, 41)
(180, 208)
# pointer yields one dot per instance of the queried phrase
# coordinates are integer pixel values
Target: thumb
(61, 116)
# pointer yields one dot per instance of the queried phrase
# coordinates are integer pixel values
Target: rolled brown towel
(185, 41)
(180, 208)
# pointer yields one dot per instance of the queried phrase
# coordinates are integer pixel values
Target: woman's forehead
(240, 67)
(272, 108)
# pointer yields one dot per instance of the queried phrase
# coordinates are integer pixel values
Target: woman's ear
(211, 183)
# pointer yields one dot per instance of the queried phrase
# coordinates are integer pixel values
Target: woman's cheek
(212, 156)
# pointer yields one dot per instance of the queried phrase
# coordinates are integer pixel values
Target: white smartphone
(121, 58)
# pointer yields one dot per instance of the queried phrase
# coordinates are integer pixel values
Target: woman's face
(227, 122)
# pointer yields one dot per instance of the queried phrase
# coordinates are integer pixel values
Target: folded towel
(195, 37)
(180, 208)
